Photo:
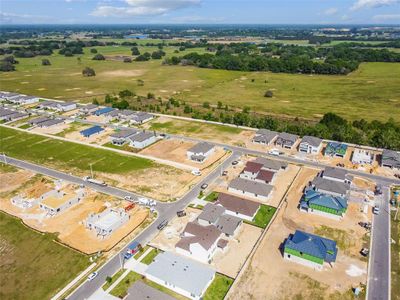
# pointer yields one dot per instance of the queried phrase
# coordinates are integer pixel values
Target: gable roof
(91, 130)
(141, 137)
(211, 213)
(313, 245)
(124, 133)
(311, 140)
(252, 167)
(272, 164)
(181, 272)
(391, 158)
(321, 199)
(265, 135)
(335, 173)
(265, 175)
(330, 185)
(237, 204)
(141, 291)
(288, 137)
(228, 224)
(201, 147)
(250, 186)
(205, 236)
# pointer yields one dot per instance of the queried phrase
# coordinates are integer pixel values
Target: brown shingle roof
(237, 204)
(265, 175)
(206, 236)
(252, 167)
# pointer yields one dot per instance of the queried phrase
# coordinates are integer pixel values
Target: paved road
(379, 268)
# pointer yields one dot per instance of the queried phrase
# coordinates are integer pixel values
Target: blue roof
(103, 111)
(92, 130)
(330, 201)
(313, 245)
(334, 147)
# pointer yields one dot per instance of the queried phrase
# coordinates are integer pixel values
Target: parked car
(92, 276)
(234, 163)
(181, 213)
(376, 210)
(274, 152)
(224, 173)
(162, 225)
(378, 190)
(128, 198)
(128, 255)
(196, 173)
(204, 186)
(364, 252)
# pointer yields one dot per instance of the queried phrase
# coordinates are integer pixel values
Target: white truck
(146, 202)
(95, 181)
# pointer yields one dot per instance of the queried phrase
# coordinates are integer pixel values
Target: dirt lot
(98, 138)
(10, 181)
(270, 277)
(52, 129)
(69, 224)
(175, 150)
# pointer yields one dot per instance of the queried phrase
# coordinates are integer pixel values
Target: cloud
(382, 18)
(197, 19)
(23, 18)
(360, 4)
(143, 8)
(330, 11)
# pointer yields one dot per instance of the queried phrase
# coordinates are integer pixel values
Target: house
(89, 109)
(265, 137)
(125, 114)
(59, 202)
(6, 113)
(336, 174)
(140, 118)
(23, 99)
(390, 159)
(270, 164)
(180, 274)
(49, 123)
(331, 187)
(238, 207)
(286, 140)
(310, 250)
(7, 95)
(66, 106)
(17, 116)
(111, 115)
(362, 157)
(310, 145)
(141, 291)
(255, 171)
(335, 149)
(121, 137)
(200, 152)
(107, 221)
(36, 121)
(90, 131)
(215, 215)
(198, 242)
(103, 111)
(142, 139)
(250, 188)
(323, 204)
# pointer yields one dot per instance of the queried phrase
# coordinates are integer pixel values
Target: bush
(269, 94)
(99, 57)
(45, 62)
(135, 51)
(127, 60)
(88, 72)
(93, 50)
(6, 66)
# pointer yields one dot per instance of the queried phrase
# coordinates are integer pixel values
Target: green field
(67, 155)
(263, 216)
(370, 92)
(148, 259)
(32, 265)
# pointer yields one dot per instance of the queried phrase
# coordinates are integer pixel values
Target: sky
(199, 12)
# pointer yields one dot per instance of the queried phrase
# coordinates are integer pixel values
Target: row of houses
(57, 106)
(45, 122)
(135, 138)
(8, 115)
(18, 99)
(313, 145)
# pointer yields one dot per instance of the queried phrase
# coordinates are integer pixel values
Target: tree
(108, 99)
(121, 104)
(219, 105)
(127, 60)
(126, 93)
(88, 72)
(269, 94)
(135, 51)
(95, 101)
(93, 50)
(99, 57)
(150, 96)
(45, 62)
(206, 104)
(6, 66)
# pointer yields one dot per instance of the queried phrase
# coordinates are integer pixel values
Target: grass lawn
(218, 288)
(113, 279)
(187, 127)
(121, 289)
(140, 252)
(263, 216)
(148, 259)
(32, 265)
(67, 155)
(25, 126)
(74, 126)
(395, 258)
(372, 88)
(212, 197)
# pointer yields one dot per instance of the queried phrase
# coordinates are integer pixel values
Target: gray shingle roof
(125, 133)
(141, 137)
(205, 236)
(335, 173)
(201, 148)
(211, 213)
(265, 135)
(330, 185)
(391, 158)
(141, 291)
(237, 204)
(250, 186)
(288, 137)
(228, 224)
(311, 140)
(271, 164)
(181, 272)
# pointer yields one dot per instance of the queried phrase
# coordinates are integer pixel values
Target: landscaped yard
(148, 259)
(112, 279)
(67, 155)
(32, 265)
(140, 252)
(212, 197)
(218, 288)
(263, 216)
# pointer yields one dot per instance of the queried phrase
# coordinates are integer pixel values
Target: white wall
(243, 193)
(302, 261)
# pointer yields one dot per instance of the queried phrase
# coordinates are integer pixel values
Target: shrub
(88, 72)
(99, 57)
(269, 94)
(45, 62)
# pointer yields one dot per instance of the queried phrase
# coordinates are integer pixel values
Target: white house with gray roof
(250, 188)
(265, 137)
(140, 117)
(331, 187)
(121, 137)
(336, 174)
(142, 139)
(23, 99)
(200, 152)
(390, 159)
(286, 140)
(88, 109)
(180, 274)
(310, 145)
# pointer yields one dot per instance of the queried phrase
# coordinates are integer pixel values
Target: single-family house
(107, 221)
(198, 242)
(7, 95)
(310, 145)
(250, 188)
(17, 116)
(200, 152)
(5, 113)
(255, 171)
(23, 99)
(265, 137)
(286, 140)
(90, 131)
(125, 114)
(66, 106)
(335, 149)
(210, 214)
(390, 159)
(337, 174)
(310, 250)
(142, 139)
(121, 137)
(362, 157)
(36, 121)
(323, 204)
(141, 291)
(331, 187)
(180, 274)
(271, 164)
(140, 117)
(88, 109)
(111, 115)
(238, 207)
(102, 111)
(49, 122)
(60, 201)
